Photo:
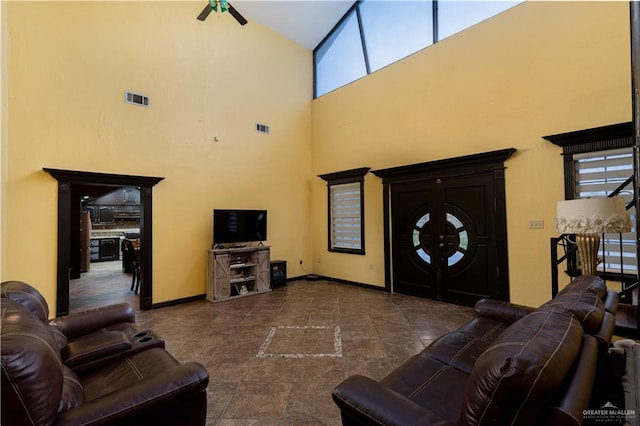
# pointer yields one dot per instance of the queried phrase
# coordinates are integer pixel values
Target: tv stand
(237, 272)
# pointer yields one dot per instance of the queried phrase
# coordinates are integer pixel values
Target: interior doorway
(101, 270)
(445, 228)
(69, 212)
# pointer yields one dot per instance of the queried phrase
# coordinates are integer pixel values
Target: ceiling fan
(224, 6)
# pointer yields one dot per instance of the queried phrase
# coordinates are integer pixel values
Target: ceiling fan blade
(205, 12)
(237, 15)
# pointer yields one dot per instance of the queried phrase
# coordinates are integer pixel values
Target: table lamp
(587, 218)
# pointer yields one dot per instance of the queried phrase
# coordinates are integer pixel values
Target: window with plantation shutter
(599, 162)
(599, 174)
(346, 216)
(346, 210)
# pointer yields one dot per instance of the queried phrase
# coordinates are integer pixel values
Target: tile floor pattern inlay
(313, 340)
(378, 331)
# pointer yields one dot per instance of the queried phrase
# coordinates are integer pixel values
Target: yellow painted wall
(537, 69)
(69, 64)
(3, 131)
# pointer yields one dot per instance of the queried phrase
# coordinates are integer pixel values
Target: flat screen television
(239, 226)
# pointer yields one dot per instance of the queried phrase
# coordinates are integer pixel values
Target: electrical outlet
(536, 224)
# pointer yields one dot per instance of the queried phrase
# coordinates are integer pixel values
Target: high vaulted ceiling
(306, 22)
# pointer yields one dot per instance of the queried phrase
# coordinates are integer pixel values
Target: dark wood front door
(443, 241)
(445, 228)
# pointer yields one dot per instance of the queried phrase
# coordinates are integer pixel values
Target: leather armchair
(121, 316)
(86, 339)
(145, 387)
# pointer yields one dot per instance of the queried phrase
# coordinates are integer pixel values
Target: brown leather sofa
(117, 379)
(510, 364)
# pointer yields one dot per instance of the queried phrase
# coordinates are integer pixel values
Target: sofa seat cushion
(119, 375)
(585, 305)
(525, 367)
(431, 384)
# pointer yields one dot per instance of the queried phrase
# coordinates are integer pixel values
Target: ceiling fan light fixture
(224, 5)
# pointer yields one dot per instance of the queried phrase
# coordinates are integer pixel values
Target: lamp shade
(592, 216)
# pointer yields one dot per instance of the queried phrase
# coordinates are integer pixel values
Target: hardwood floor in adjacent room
(274, 358)
(103, 284)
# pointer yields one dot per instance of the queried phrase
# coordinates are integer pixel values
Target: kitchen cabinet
(123, 204)
(104, 249)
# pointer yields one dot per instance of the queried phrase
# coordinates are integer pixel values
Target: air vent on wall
(262, 128)
(136, 98)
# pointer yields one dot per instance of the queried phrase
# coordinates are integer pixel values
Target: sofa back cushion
(522, 370)
(585, 305)
(31, 367)
(30, 298)
(27, 296)
(589, 283)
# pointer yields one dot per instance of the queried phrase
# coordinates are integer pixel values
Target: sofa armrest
(94, 347)
(604, 335)
(364, 401)
(611, 301)
(81, 323)
(160, 393)
(501, 311)
(575, 399)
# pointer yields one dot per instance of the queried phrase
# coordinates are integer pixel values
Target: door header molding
(471, 163)
(74, 176)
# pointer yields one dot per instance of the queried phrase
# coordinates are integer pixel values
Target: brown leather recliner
(90, 338)
(146, 387)
(509, 365)
(119, 317)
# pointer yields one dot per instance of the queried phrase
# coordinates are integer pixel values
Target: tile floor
(273, 359)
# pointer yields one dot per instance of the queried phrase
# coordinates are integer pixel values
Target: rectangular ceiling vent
(136, 99)
(262, 128)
